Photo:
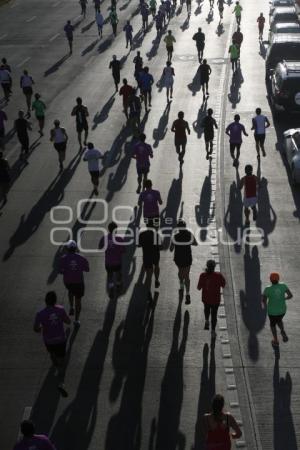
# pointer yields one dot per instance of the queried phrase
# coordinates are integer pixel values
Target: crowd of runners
(51, 320)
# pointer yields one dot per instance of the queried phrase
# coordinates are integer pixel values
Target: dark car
(285, 87)
(283, 46)
(284, 14)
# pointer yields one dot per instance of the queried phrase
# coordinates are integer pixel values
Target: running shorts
(77, 289)
(112, 269)
(58, 350)
(250, 202)
(275, 320)
(260, 138)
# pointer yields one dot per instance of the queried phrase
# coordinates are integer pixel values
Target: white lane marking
(23, 62)
(3, 36)
(54, 37)
(31, 19)
(14, 5)
(55, 4)
(26, 416)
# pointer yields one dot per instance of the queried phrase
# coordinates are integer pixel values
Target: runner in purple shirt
(142, 152)
(150, 199)
(72, 266)
(50, 321)
(32, 441)
(114, 250)
(234, 131)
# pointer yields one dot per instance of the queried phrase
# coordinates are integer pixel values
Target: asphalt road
(138, 377)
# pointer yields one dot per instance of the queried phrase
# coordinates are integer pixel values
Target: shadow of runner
(207, 392)
(202, 210)
(102, 115)
(117, 179)
(266, 217)
(56, 66)
(160, 132)
(169, 436)
(234, 95)
(254, 317)
(284, 435)
(233, 220)
(79, 418)
(197, 124)
(195, 85)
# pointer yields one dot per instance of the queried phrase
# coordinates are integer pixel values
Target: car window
(296, 137)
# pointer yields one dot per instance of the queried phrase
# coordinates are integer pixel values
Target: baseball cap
(274, 276)
(71, 244)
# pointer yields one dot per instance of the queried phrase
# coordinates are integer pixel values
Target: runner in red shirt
(211, 283)
(261, 24)
(126, 91)
(250, 184)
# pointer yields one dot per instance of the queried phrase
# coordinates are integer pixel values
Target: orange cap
(274, 276)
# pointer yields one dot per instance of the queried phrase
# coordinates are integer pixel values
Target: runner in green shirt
(39, 107)
(238, 12)
(275, 296)
(234, 56)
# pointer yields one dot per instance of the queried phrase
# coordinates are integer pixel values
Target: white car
(292, 152)
(275, 3)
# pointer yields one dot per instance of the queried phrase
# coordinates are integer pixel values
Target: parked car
(284, 14)
(283, 46)
(284, 27)
(285, 87)
(292, 152)
(276, 3)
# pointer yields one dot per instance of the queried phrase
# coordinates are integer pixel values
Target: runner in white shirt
(259, 125)
(59, 137)
(26, 82)
(92, 156)
(100, 22)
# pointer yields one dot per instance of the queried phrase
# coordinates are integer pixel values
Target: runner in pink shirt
(50, 321)
(142, 152)
(32, 441)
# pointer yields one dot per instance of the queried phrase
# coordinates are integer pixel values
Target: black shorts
(180, 142)
(2, 132)
(260, 138)
(275, 320)
(112, 269)
(60, 146)
(95, 174)
(151, 259)
(77, 289)
(170, 49)
(58, 350)
(200, 47)
(142, 170)
(24, 140)
(234, 146)
(146, 92)
(27, 90)
(182, 264)
(208, 137)
(82, 126)
(204, 81)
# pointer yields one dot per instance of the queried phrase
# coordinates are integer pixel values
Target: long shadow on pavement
(197, 124)
(266, 217)
(160, 132)
(56, 66)
(102, 115)
(195, 85)
(234, 95)
(233, 220)
(202, 210)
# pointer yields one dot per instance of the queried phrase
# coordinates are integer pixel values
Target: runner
(81, 113)
(50, 321)
(134, 118)
(146, 81)
(115, 67)
(72, 266)
(4, 178)
(259, 125)
(168, 6)
(59, 137)
(138, 66)
(38, 106)
(179, 127)
(275, 296)
(220, 4)
(128, 34)
(83, 4)
(159, 22)
(162, 10)
(5, 64)
(211, 283)
(150, 199)
(26, 83)
(97, 6)
(144, 14)
(153, 4)
(168, 79)
(3, 119)
(169, 40)
(261, 24)
(69, 29)
(22, 126)
(234, 56)
(99, 21)
(234, 131)
(189, 7)
(182, 240)
(126, 91)
(142, 152)
(250, 184)
(208, 125)
(30, 440)
(6, 82)
(238, 12)
(149, 240)
(205, 71)
(211, 4)
(113, 18)
(199, 37)
(114, 250)
(92, 156)
(237, 38)
(217, 425)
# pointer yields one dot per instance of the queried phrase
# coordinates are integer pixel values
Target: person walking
(128, 34)
(3, 119)
(145, 15)
(30, 440)
(208, 125)
(26, 83)
(152, 5)
(6, 82)
(142, 152)
(180, 127)
(93, 156)
(211, 283)
(83, 4)
(159, 22)
(146, 80)
(114, 249)
(72, 267)
(274, 297)
(4, 179)
(150, 199)
(134, 116)
(220, 4)
(169, 41)
(168, 79)
(113, 18)
(182, 241)
(217, 425)
(81, 114)
(69, 30)
(261, 25)
(237, 38)
(39, 107)
(199, 38)
(97, 4)
(235, 130)
(250, 184)
(259, 125)
(22, 126)
(126, 91)
(237, 11)
(50, 321)
(205, 71)
(99, 21)
(234, 56)
(138, 66)
(115, 67)
(149, 241)
(59, 137)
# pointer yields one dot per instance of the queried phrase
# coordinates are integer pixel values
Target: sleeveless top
(219, 437)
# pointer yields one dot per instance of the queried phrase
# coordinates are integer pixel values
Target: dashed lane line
(30, 19)
(54, 37)
(3, 36)
(23, 62)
